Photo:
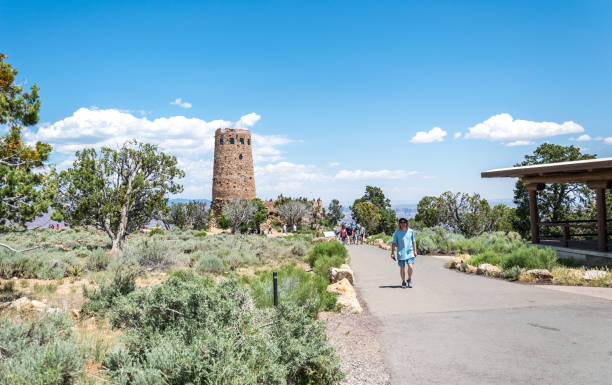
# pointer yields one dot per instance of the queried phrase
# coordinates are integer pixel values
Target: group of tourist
(353, 234)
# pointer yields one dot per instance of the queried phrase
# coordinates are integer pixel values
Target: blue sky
(334, 92)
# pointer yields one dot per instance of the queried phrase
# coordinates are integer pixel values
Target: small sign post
(275, 285)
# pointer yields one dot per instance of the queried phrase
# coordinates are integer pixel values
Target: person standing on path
(403, 241)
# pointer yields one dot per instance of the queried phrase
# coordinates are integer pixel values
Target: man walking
(403, 240)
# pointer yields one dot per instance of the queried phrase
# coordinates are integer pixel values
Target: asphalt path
(456, 328)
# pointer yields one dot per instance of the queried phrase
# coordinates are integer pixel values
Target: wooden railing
(589, 224)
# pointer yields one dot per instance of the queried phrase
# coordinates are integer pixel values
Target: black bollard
(275, 284)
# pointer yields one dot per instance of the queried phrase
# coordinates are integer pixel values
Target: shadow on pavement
(390, 287)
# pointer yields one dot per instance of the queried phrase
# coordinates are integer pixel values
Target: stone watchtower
(233, 176)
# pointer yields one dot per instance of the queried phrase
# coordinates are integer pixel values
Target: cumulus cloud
(248, 120)
(584, 138)
(504, 127)
(334, 164)
(436, 134)
(457, 135)
(608, 140)
(379, 174)
(179, 102)
(520, 143)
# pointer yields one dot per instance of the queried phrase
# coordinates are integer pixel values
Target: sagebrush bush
(324, 264)
(151, 253)
(189, 330)
(100, 300)
(299, 250)
(40, 351)
(210, 263)
(36, 264)
(97, 260)
(426, 245)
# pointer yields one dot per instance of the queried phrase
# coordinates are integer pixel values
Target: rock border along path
(455, 328)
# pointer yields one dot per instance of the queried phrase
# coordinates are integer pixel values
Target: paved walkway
(455, 328)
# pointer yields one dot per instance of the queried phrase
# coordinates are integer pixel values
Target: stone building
(233, 176)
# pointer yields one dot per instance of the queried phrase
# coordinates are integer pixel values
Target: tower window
(240, 156)
(221, 141)
(241, 140)
(231, 140)
(249, 142)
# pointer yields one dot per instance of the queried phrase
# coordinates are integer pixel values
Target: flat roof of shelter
(578, 166)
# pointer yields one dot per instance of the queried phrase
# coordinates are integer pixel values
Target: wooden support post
(533, 210)
(602, 230)
(566, 235)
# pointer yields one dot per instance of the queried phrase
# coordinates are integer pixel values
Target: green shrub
(326, 249)
(150, 253)
(514, 273)
(296, 286)
(188, 330)
(488, 256)
(530, 258)
(101, 300)
(386, 238)
(35, 264)
(41, 351)
(324, 264)
(97, 260)
(209, 263)
(156, 231)
(223, 223)
(426, 245)
(299, 250)
(200, 234)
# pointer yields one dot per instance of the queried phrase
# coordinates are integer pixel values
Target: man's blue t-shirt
(404, 240)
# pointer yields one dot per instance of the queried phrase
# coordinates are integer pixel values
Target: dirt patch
(355, 337)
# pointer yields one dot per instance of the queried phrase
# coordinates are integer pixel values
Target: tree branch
(17, 251)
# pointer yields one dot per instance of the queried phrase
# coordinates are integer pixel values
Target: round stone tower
(233, 176)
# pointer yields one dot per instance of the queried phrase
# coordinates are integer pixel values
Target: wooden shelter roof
(583, 171)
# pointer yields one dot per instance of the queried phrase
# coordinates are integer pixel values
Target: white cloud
(248, 120)
(608, 140)
(584, 138)
(191, 140)
(457, 135)
(334, 164)
(520, 143)
(503, 127)
(436, 134)
(179, 102)
(380, 174)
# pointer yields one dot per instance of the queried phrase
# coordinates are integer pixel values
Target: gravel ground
(355, 337)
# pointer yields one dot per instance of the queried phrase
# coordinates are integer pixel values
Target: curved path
(455, 328)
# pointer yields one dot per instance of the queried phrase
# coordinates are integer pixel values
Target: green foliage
(438, 239)
(40, 351)
(24, 193)
(428, 211)
(326, 249)
(190, 215)
(488, 256)
(209, 263)
(101, 300)
(117, 191)
(200, 234)
(150, 253)
(261, 214)
(295, 286)
(387, 222)
(334, 212)
(35, 264)
(156, 231)
(324, 264)
(299, 250)
(97, 260)
(530, 258)
(187, 330)
(386, 238)
(223, 223)
(558, 201)
(367, 215)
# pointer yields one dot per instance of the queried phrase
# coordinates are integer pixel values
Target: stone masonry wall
(233, 176)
